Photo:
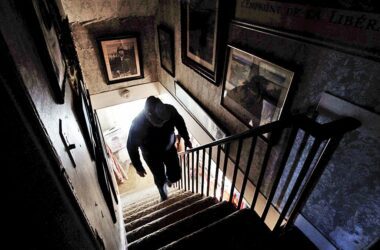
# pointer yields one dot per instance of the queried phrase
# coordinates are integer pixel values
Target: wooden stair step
(170, 218)
(161, 212)
(138, 213)
(183, 227)
(240, 230)
(151, 197)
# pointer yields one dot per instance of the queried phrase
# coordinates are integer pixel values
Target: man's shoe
(169, 183)
(163, 192)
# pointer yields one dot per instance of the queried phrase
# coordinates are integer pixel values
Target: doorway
(116, 122)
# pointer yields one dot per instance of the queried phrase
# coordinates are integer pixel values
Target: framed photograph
(166, 47)
(202, 37)
(254, 90)
(198, 113)
(49, 46)
(104, 174)
(86, 117)
(122, 58)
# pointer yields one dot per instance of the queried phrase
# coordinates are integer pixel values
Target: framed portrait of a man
(122, 58)
(254, 89)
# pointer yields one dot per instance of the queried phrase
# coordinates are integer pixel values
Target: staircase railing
(308, 143)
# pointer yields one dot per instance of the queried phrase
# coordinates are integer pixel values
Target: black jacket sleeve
(179, 123)
(133, 148)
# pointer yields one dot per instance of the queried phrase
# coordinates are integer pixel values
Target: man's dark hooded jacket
(154, 140)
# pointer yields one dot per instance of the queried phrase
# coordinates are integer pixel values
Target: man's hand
(188, 144)
(141, 173)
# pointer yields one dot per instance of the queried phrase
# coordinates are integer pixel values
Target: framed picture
(202, 37)
(198, 113)
(103, 171)
(86, 117)
(122, 58)
(166, 47)
(49, 46)
(320, 25)
(254, 90)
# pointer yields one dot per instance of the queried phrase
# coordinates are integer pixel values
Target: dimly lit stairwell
(192, 220)
(188, 220)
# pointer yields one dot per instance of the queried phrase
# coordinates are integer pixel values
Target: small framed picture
(254, 90)
(166, 47)
(122, 58)
(49, 46)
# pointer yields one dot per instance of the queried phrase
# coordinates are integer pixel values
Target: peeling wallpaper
(345, 186)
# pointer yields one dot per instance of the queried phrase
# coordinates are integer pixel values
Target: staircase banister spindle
(284, 160)
(209, 171)
(217, 169)
(301, 176)
(225, 163)
(247, 170)
(203, 168)
(192, 171)
(196, 173)
(236, 167)
(325, 156)
(262, 173)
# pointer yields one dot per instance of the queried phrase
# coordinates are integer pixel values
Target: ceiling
(83, 11)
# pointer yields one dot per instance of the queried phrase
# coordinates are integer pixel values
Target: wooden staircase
(192, 221)
(195, 215)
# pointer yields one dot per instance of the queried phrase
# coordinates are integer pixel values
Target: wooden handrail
(323, 131)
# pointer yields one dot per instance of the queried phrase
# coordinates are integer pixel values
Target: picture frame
(49, 46)
(86, 117)
(122, 58)
(104, 175)
(254, 90)
(203, 36)
(198, 113)
(166, 48)
(318, 25)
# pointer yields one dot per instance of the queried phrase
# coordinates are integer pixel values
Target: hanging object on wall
(356, 32)
(122, 58)
(166, 47)
(254, 90)
(66, 143)
(49, 46)
(204, 34)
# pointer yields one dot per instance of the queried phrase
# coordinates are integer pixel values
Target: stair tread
(161, 212)
(170, 218)
(151, 197)
(183, 227)
(240, 230)
(133, 215)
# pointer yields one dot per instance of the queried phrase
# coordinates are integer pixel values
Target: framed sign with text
(350, 31)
